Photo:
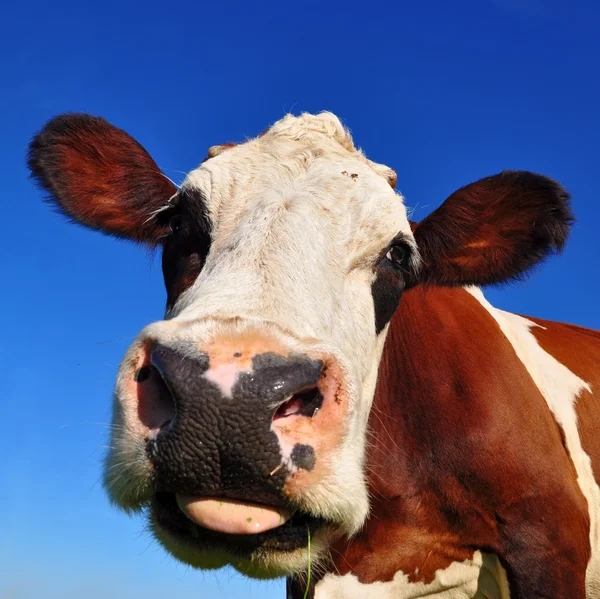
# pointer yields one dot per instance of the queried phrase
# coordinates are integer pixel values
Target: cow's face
(240, 421)
(258, 384)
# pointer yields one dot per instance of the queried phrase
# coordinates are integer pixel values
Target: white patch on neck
(560, 388)
(479, 578)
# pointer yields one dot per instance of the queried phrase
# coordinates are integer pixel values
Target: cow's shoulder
(473, 437)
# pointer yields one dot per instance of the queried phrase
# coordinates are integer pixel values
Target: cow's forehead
(310, 159)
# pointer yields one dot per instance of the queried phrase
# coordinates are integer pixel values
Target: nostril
(143, 373)
(303, 403)
(156, 407)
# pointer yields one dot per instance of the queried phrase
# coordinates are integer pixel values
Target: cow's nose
(213, 413)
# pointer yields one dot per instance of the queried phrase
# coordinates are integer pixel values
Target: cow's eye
(398, 255)
(175, 223)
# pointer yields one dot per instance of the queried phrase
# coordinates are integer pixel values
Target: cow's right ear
(493, 230)
(100, 177)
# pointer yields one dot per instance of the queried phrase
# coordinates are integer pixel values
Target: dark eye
(175, 223)
(398, 255)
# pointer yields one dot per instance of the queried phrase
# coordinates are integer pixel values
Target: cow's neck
(437, 379)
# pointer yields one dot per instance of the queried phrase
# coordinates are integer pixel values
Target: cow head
(240, 420)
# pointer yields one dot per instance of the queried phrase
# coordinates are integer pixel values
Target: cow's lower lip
(291, 535)
(231, 517)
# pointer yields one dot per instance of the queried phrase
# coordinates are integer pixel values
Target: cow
(288, 419)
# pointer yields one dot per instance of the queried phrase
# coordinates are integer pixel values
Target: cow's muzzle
(226, 426)
(217, 438)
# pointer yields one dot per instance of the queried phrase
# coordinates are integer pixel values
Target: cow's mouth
(293, 534)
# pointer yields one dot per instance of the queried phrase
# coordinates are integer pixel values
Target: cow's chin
(277, 552)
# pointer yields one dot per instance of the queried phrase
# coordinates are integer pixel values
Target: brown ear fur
(493, 230)
(100, 176)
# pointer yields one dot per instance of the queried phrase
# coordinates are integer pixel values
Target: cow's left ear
(493, 230)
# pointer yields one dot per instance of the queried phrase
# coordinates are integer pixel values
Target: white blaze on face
(482, 577)
(299, 219)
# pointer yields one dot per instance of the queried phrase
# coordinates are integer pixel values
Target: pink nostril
(156, 407)
(303, 403)
(289, 408)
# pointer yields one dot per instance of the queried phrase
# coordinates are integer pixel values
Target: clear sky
(445, 92)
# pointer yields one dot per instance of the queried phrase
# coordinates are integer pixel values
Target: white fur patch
(224, 376)
(300, 218)
(561, 388)
(480, 578)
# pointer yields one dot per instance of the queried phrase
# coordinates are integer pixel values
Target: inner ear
(100, 177)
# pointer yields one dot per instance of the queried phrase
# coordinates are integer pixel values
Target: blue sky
(445, 92)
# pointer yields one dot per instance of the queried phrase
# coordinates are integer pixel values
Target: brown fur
(100, 177)
(464, 455)
(493, 230)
